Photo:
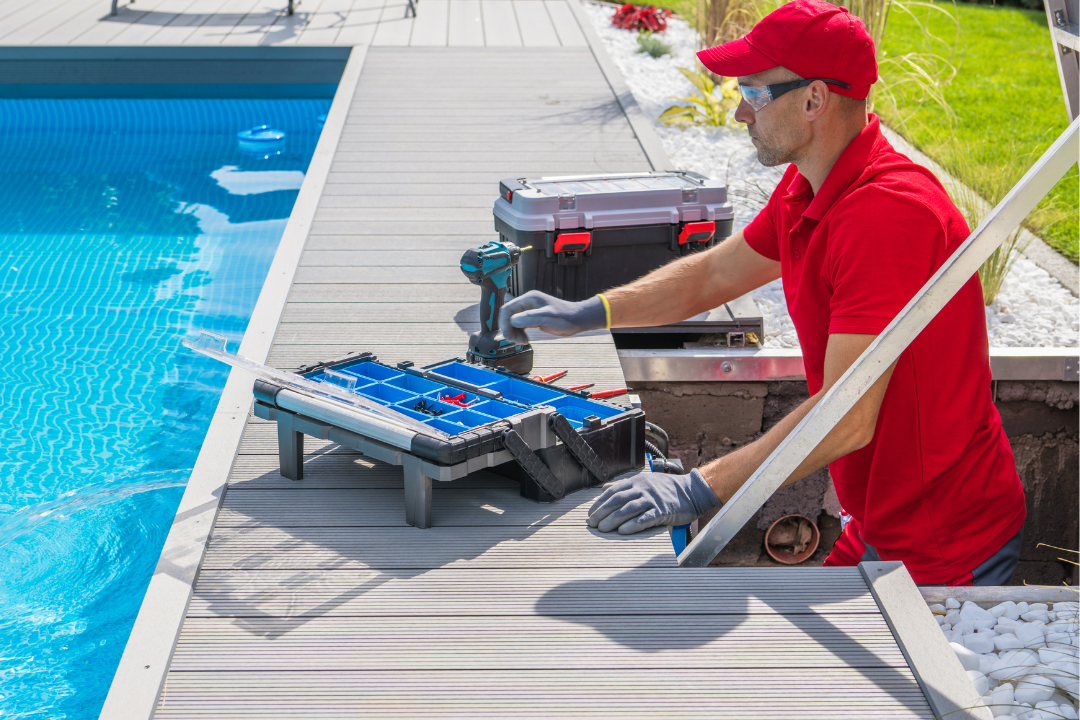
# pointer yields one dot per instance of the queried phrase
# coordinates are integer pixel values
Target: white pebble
(1032, 634)
(1005, 625)
(999, 699)
(978, 642)
(1033, 689)
(952, 604)
(968, 658)
(940, 619)
(1013, 664)
(937, 609)
(1037, 610)
(980, 681)
(986, 662)
(952, 617)
(964, 626)
(1007, 641)
(978, 617)
(999, 610)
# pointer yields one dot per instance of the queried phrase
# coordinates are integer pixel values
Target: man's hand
(637, 502)
(552, 315)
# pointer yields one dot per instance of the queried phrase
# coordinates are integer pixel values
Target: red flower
(634, 17)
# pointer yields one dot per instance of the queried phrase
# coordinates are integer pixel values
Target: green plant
(721, 21)
(654, 46)
(706, 108)
(1007, 87)
(975, 209)
(910, 80)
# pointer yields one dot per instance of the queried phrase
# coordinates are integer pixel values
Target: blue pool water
(125, 225)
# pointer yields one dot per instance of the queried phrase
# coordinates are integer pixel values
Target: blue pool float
(262, 139)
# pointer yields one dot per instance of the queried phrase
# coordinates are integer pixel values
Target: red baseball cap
(811, 38)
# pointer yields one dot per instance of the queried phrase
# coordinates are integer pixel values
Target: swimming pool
(125, 225)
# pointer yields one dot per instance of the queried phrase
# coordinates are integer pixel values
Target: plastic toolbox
(475, 406)
(590, 233)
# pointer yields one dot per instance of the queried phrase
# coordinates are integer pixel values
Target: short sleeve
(762, 234)
(883, 247)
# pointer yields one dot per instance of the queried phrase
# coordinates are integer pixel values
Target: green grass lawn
(1008, 104)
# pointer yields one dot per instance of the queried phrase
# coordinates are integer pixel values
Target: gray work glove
(552, 315)
(638, 502)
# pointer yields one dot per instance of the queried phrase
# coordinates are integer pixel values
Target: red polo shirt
(937, 486)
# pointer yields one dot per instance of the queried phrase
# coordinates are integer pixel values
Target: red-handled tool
(580, 387)
(549, 378)
(609, 393)
(458, 400)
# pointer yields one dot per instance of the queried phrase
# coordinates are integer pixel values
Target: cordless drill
(490, 267)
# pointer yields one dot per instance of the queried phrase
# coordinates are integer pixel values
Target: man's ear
(816, 101)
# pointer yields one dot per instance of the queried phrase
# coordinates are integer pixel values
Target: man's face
(777, 130)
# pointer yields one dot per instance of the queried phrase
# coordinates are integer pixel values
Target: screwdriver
(580, 387)
(609, 393)
(549, 378)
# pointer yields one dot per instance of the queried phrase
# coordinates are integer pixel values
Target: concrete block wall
(708, 420)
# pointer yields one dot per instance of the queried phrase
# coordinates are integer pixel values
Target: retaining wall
(706, 420)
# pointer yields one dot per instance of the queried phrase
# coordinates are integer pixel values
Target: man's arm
(646, 499)
(675, 292)
(691, 285)
(727, 474)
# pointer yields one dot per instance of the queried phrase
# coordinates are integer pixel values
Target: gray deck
(316, 600)
(492, 23)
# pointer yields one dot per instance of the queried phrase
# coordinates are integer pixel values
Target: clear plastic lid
(554, 187)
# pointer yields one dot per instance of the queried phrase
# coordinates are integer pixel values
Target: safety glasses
(758, 97)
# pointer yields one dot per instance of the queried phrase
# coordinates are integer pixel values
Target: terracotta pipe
(787, 535)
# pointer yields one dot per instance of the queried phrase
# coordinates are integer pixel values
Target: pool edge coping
(144, 665)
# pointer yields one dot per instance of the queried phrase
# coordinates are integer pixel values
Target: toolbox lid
(547, 204)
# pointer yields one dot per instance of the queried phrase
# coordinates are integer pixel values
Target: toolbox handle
(696, 232)
(573, 242)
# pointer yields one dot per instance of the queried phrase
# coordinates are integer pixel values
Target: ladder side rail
(885, 349)
(1061, 17)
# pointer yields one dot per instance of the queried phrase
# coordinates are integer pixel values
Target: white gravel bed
(1032, 309)
(1022, 659)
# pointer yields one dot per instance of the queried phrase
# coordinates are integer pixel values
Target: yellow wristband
(607, 312)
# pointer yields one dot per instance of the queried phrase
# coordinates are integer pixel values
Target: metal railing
(885, 349)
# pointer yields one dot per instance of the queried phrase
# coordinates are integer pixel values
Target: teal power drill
(490, 267)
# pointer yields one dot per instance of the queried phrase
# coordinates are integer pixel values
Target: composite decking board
(432, 25)
(503, 606)
(653, 692)
(352, 293)
(459, 23)
(143, 29)
(566, 25)
(500, 23)
(465, 24)
(535, 23)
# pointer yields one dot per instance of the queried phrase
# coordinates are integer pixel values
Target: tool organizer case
(590, 233)
(497, 402)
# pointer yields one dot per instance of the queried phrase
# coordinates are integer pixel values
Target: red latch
(573, 242)
(509, 196)
(697, 232)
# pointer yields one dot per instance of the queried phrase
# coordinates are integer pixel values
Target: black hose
(656, 435)
(654, 451)
(658, 430)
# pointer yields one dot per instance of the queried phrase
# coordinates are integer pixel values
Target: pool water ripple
(116, 241)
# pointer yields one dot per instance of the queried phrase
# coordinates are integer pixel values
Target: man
(921, 464)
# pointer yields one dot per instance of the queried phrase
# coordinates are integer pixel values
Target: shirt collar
(848, 167)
